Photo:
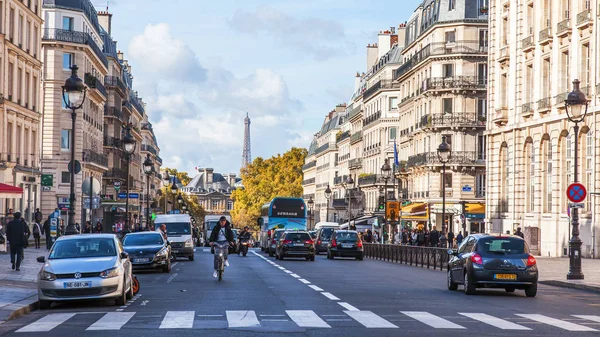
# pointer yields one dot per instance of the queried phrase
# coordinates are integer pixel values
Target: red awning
(9, 191)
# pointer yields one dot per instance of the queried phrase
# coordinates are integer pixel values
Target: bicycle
(220, 251)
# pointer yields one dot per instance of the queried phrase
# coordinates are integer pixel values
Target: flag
(396, 154)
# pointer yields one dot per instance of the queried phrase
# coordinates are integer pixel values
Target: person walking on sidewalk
(519, 233)
(37, 231)
(15, 234)
(46, 231)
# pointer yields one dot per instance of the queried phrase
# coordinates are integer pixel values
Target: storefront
(475, 217)
(415, 215)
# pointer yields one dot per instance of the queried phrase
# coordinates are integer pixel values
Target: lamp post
(444, 154)
(349, 182)
(166, 180)
(184, 208)
(174, 192)
(386, 169)
(576, 106)
(148, 169)
(310, 203)
(73, 93)
(327, 196)
(180, 201)
(129, 148)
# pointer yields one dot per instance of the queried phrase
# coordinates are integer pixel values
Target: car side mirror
(41, 259)
(452, 252)
(124, 255)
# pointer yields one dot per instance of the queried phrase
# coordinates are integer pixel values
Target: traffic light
(381, 207)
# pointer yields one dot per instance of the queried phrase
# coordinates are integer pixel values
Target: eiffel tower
(246, 154)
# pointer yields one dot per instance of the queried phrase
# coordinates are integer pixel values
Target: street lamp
(174, 192)
(166, 180)
(444, 154)
(148, 169)
(577, 103)
(386, 170)
(310, 203)
(327, 196)
(73, 93)
(184, 207)
(129, 148)
(180, 201)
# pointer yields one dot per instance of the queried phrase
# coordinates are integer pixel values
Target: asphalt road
(260, 296)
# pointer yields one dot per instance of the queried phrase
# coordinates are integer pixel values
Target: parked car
(488, 261)
(85, 267)
(275, 235)
(295, 243)
(345, 243)
(323, 238)
(148, 251)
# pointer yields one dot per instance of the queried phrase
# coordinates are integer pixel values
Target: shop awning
(418, 211)
(475, 208)
(9, 191)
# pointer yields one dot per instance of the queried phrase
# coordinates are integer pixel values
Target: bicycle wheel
(221, 268)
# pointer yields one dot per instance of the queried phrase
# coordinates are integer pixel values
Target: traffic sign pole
(575, 193)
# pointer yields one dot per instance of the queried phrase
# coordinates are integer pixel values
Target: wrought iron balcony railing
(527, 43)
(584, 17)
(71, 36)
(355, 111)
(455, 82)
(94, 157)
(342, 136)
(355, 163)
(308, 181)
(357, 136)
(112, 142)
(114, 81)
(149, 148)
(111, 111)
(309, 165)
(94, 83)
(115, 173)
(372, 118)
(377, 87)
(456, 158)
(465, 119)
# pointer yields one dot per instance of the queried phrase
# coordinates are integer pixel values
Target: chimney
(120, 55)
(356, 81)
(401, 36)
(209, 175)
(371, 55)
(384, 41)
(340, 108)
(105, 20)
(232, 179)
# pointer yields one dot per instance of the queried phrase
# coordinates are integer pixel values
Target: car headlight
(161, 253)
(108, 273)
(46, 276)
(189, 243)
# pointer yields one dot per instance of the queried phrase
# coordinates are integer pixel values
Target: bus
(281, 213)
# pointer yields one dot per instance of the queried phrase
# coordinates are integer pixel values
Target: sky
(202, 65)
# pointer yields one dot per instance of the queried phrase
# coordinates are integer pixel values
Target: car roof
(486, 235)
(143, 233)
(86, 236)
(346, 231)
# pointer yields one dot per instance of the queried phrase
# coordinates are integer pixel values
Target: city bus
(281, 213)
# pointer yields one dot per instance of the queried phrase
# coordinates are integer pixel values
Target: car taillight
(273, 241)
(359, 244)
(319, 242)
(531, 261)
(287, 242)
(476, 258)
(310, 242)
(269, 233)
(333, 243)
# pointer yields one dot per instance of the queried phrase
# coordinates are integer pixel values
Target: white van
(325, 224)
(179, 233)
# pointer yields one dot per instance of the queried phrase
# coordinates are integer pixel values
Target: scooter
(244, 247)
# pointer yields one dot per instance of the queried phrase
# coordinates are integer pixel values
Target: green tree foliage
(265, 179)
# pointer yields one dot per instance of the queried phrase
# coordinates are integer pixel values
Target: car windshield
(83, 247)
(502, 246)
(150, 239)
(326, 233)
(349, 236)
(210, 225)
(277, 234)
(178, 228)
(297, 236)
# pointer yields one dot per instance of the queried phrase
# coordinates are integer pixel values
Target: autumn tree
(265, 179)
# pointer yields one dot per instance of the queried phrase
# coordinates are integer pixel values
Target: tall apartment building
(20, 108)
(537, 49)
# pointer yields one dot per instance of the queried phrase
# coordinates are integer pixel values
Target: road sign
(47, 180)
(95, 202)
(576, 192)
(576, 205)
(131, 195)
(117, 185)
(77, 167)
(467, 188)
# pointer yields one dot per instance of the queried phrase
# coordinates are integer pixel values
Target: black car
(295, 244)
(323, 238)
(345, 243)
(487, 261)
(275, 235)
(148, 251)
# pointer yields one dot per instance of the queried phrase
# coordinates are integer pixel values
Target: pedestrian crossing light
(381, 203)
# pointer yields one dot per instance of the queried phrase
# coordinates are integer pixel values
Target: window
(20, 30)
(451, 5)
(393, 103)
(34, 93)
(531, 178)
(548, 175)
(65, 139)
(504, 166)
(11, 27)
(481, 108)
(450, 37)
(11, 70)
(482, 73)
(481, 140)
(62, 103)
(67, 23)
(447, 105)
(392, 133)
(448, 180)
(566, 76)
(229, 205)
(589, 166)
(35, 40)
(215, 204)
(448, 70)
(65, 177)
(480, 185)
(67, 60)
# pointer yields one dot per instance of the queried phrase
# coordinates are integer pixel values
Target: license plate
(76, 285)
(505, 276)
(141, 260)
(347, 245)
(174, 251)
(299, 244)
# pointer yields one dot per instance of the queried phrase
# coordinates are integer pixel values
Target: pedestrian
(78, 227)
(98, 227)
(434, 237)
(459, 238)
(369, 236)
(37, 231)
(87, 229)
(519, 233)
(38, 217)
(507, 232)
(15, 234)
(450, 237)
(2, 239)
(163, 231)
(46, 231)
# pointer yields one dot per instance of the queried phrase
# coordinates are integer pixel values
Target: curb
(564, 284)
(20, 308)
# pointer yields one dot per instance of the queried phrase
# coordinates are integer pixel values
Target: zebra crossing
(308, 319)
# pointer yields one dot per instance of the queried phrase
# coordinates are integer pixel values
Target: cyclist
(220, 236)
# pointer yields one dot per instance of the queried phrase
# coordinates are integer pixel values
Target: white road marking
(120, 310)
(46, 323)
(307, 319)
(242, 319)
(143, 304)
(348, 306)
(369, 319)
(432, 320)
(494, 321)
(304, 281)
(178, 320)
(556, 322)
(174, 264)
(314, 287)
(330, 296)
(280, 267)
(171, 278)
(287, 271)
(112, 321)
(589, 318)
(295, 275)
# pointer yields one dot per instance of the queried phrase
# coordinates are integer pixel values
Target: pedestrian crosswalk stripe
(589, 317)
(112, 321)
(432, 320)
(242, 319)
(494, 321)
(307, 319)
(556, 322)
(178, 320)
(330, 296)
(46, 323)
(369, 319)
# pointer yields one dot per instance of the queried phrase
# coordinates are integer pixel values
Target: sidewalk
(553, 271)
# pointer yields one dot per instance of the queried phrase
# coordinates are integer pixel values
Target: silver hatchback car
(85, 267)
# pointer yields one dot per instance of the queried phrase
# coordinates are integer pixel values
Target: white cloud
(174, 105)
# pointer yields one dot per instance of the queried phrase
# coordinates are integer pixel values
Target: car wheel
(451, 284)
(531, 291)
(44, 304)
(359, 258)
(509, 290)
(312, 257)
(307, 258)
(121, 300)
(328, 256)
(191, 258)
(469, 285)
(129, 294)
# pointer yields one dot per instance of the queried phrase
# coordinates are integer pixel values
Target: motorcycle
(243, 247)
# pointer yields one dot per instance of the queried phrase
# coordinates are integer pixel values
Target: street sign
(131, 195)
(46, 188)
(53, 227)
(95, 202)
(576, 192)
(77, 167)
(467, 188)
(117, 185)
(576, 205)
(47, 180)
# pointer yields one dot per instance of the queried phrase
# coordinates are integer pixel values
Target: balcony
(342, 158)
(159, 160)
(137, 103)
(464, 158)
(545, 36)
(149, 148)
(111, 111)
(584, 19)
(563, 28)
(468, 47)
(112, 142)
(501, 116)
(543, 105)
(377, 87)
(356, 111)
(559, 100)
(372, 118)
(504, 54)
(71, 36)
(455, 84)
(115, 82)
(323, 167)
(325, 147)
(115, 173)
(371, 179)
(309, 165)
(90, 156)
(342, 136)
(310, 181)
(356, 137)
(355, 163)
(92, 82)
(455, 119)
(527, 44)
(527, 109)
(339, 180)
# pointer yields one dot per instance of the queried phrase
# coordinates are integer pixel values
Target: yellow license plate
(505, 276)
